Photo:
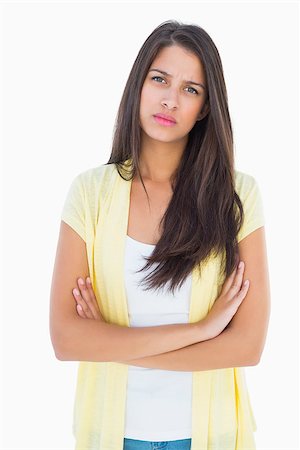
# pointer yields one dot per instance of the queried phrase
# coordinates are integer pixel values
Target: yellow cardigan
(96, 207)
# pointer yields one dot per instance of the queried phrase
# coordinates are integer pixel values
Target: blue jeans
(134, 444)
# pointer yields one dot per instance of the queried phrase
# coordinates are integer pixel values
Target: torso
(143, 222)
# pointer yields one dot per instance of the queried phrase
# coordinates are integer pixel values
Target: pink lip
(163, 119)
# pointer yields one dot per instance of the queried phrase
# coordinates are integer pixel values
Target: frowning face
(175, 86)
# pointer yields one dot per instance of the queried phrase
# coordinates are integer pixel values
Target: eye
(157, 77)
(194, 90)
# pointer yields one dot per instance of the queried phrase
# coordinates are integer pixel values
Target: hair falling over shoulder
(205, 213)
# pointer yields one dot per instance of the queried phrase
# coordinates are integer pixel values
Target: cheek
(192, 111)
(145, 106)
(149, 97)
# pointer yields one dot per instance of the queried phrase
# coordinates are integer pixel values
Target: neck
(159, 160)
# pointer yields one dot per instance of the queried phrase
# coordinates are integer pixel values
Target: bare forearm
(92, 340)
(228, 349)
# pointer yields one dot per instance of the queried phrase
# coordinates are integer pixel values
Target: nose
(171, 101)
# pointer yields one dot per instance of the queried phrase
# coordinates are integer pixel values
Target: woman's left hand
(86, 302)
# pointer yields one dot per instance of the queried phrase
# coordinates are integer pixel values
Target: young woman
(168, 240)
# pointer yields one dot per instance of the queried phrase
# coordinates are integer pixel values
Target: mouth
(164, 120)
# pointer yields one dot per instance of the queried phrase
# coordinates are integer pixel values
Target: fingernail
(76, 291)
(240, 264)
(88, 280)
(246, 282)
(81, 281)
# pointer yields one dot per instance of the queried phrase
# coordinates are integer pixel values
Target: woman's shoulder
(249, 193)
(244, 182)
(243, 177)
(94, 182)
(96, 174)
(98, 177)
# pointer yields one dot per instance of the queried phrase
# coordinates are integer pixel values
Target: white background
(65, 65)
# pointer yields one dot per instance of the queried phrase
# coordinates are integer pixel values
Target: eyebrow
(169, 75)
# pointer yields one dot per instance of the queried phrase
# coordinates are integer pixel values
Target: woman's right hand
(233, 293)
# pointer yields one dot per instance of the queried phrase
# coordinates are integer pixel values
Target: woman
(166, 317)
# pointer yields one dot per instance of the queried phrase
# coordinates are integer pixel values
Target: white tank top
(159, 402)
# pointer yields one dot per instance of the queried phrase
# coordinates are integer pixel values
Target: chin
(166, 134)
(161, 137)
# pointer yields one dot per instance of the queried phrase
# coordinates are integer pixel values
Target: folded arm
(243, 340)
(228, 349)
(75, 339)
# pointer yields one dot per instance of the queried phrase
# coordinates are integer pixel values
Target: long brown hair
(205, 213)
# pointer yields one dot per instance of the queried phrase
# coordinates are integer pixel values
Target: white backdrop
(65, 65)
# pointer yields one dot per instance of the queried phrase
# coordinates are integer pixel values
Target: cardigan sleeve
(73, 211)
(253, 206)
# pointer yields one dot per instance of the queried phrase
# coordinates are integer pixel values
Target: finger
(81, 301)
(242, 293)
(86, 295)
(237, 282)
(228, 282)
(80, 311)
(94, 303)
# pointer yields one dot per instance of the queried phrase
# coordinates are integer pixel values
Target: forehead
(179, 61)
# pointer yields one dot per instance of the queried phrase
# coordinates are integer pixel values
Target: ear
(204, 111)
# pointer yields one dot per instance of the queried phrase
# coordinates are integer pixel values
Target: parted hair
(205, 213)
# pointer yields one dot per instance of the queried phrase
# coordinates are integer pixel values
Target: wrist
(202, 330)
